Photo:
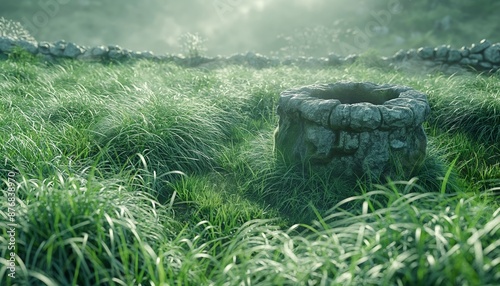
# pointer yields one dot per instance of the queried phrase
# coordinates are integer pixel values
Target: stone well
(353, 129)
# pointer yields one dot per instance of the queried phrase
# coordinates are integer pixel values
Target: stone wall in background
(482, 56)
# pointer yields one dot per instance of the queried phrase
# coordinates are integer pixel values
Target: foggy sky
(228, 26)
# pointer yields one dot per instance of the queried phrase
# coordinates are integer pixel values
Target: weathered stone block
(57, 49)
(100, 51)
(348, 142)
(319, 143)
(72, 50)
(396, 116)
(486, 65)
(492, 54)
(441, 52)
(478, 57)
(364, 116)
(479, 47)
(426, 53)
(44, 48)
(454, 56)
(318, 110)
(340, 117)
(7, 44)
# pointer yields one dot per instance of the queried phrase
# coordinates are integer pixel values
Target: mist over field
(273, 27)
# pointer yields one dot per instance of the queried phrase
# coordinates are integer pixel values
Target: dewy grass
(469, 105)
(213, 199)
(175, 134)
(150, 173)
(428, 239)
(72, 231)
(480, 167)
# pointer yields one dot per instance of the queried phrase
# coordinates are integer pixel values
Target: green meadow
(150, 173)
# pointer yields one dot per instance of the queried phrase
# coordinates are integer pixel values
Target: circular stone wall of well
(353, 128)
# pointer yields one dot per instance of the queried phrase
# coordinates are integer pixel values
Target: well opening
(356, 93)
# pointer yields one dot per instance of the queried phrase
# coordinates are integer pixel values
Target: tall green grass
(150, 173)
(468, 105)
(73, 231)
(416, 238)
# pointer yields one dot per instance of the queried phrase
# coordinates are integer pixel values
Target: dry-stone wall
(479, 56)
(483, 56)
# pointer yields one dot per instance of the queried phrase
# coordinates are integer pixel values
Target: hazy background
(272, 27)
